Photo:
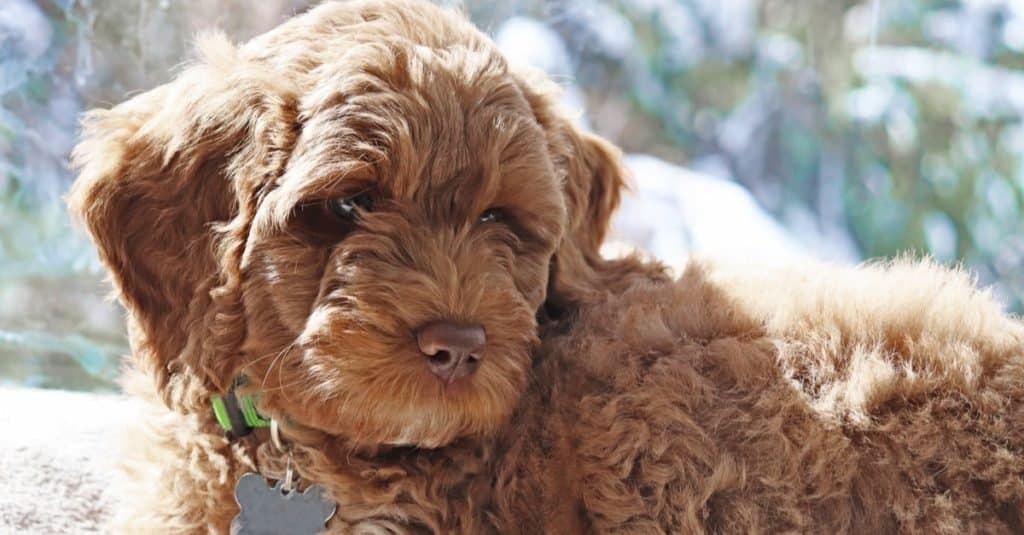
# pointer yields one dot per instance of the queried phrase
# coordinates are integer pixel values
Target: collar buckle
(236, 411)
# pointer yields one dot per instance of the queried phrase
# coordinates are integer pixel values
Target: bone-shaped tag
(267, 510)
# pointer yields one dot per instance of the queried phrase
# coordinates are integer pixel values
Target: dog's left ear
(593, 180)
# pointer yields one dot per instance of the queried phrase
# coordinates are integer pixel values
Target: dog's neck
(237, 415)
(364, 475)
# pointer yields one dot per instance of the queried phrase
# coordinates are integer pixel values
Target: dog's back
(879, 399)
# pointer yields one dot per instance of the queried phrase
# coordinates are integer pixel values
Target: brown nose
(452, 349)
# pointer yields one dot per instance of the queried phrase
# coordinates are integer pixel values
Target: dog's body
(394, 235)
(869, 400)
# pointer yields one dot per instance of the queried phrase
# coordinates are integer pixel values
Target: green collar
(236, 411)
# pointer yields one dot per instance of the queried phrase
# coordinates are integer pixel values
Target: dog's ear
(593, 180)
(168, 184)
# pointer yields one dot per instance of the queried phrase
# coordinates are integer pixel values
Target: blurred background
(771, 130)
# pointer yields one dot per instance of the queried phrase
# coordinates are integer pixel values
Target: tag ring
(289, 472)
(275, 436)
(289, 476)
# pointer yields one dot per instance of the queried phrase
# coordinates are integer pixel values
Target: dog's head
(362, 211)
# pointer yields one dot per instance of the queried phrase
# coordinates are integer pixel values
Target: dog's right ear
(168, 184)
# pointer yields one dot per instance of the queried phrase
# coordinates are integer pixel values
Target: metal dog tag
(269, 510)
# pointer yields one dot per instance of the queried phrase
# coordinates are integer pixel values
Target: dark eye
(492, 215)
(348, 208)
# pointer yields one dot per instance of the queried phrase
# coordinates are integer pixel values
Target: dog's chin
(410, 407)
(420, 421)
(415, 434)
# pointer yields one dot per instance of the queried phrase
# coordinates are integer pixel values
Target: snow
(674, 213)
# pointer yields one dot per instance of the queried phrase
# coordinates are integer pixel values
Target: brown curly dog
(393, 235)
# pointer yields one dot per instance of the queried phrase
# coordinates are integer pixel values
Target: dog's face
(419, 207)
(369, 242)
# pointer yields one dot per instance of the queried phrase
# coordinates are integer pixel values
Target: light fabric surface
(56, 453)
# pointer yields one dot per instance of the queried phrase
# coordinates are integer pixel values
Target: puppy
(364, 212)
(370, 221)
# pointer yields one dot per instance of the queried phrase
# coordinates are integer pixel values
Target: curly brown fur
(608, 399)
(881, 399)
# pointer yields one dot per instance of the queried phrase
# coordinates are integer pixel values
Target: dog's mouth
(401, 397)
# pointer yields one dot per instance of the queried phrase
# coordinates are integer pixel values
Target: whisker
(278, 360)
(261, 358)
(284, 388)
(280, 372)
